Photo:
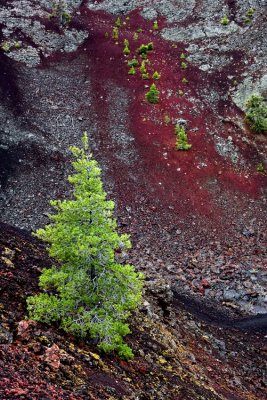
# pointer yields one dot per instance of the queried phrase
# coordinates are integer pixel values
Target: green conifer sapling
(133, 63)
(89, 293)
(152, 95)
(181, 141)
(118, 22)
(256, 114)
(126, 51)
(156, 75)
(225, 20)
(115, 33)
(132, 71)
(155, 25)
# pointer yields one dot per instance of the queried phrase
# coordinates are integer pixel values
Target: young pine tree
(115, 33)
(181, 138)
(152, 95)
(126, 51)
(90, 294)
(132, 71)
(155, 25)
(156, 75)
(256, 114)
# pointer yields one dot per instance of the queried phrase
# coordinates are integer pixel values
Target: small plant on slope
(145, 48)
(249, 15)
(261, 168)
(5, 46)
(133, 63)
(90, 294)
(256, 114)
(155, 25)
(152, 95)
(145, 75)
(181, 141)
(167, 119)
(59, 11)
(115, 33)
(18, 45)
(143, 66)
(132, 71)
(126, 50)
(118, 22)
(225, 20)
(156, 75)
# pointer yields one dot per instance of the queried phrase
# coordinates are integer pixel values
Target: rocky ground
(196, 218)
(177, 355)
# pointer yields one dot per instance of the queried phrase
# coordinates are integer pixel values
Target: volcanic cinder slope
(197, 218)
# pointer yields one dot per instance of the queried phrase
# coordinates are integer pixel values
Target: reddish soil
(172, 181)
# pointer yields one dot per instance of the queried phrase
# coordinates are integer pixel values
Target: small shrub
(139, 30)
(118, 22)
(261, 168)
(5, 46)
(155, 25)
(142, 49)
(145, 48)
(126, 42)
(18, 45)
(133, 63)
(256, 115)
(132, 71)
(249, 15)
(59, 11)
(183, 65)
(181, 140)
(135, 36)
(156, 75)
(152, 95)
(182, 56)
(184, 81)
(126, 51)
(115, 33)
(250, 12)
(143, 67)
(145, 75)
(167, 119)
(144, 56)
(66, 17)
(225, 20)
